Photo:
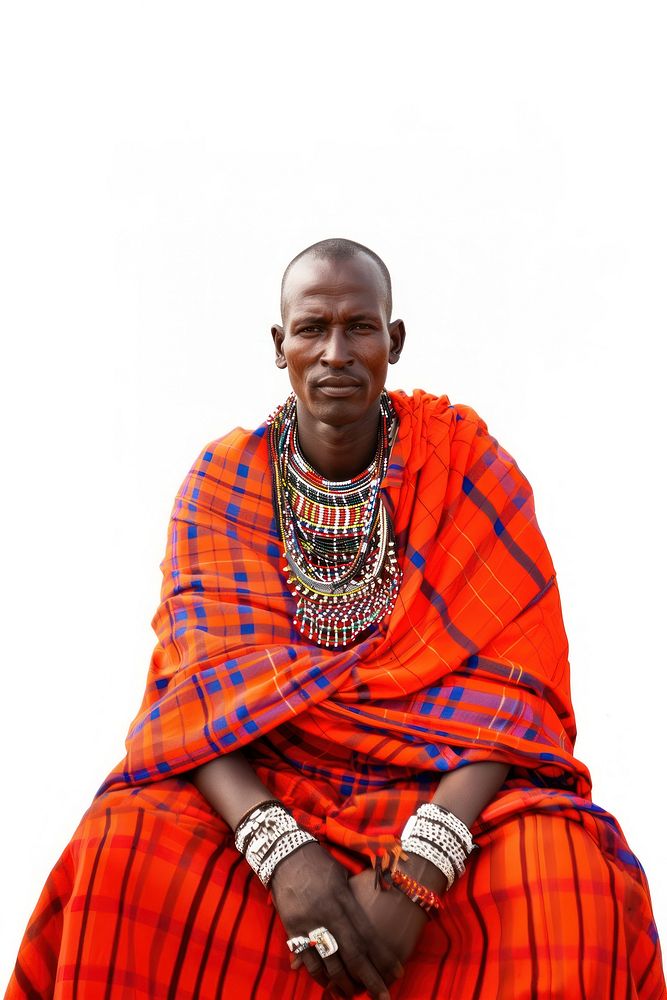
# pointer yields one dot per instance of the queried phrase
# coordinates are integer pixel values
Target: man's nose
(336, 349)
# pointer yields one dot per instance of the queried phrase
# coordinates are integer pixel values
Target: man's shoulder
(234, 454)
(437, 410)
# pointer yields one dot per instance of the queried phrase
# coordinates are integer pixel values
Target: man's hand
(397, 921)
(310, 889)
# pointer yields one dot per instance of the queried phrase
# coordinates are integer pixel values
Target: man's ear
(397, 339)
(278, 335)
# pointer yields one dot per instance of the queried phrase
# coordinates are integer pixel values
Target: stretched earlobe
(278, 335)
(397, 334)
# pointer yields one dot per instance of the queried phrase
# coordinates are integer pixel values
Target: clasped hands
(376, 931)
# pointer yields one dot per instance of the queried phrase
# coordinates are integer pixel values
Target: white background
(161, 164)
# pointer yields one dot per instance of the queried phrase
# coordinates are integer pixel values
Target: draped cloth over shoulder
(471, 666)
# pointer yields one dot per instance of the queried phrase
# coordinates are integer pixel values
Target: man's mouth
(338, 386)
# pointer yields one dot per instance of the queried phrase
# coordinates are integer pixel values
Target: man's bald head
(338, 250)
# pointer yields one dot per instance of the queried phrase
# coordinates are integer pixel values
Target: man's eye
(361, 326)
(310, 329)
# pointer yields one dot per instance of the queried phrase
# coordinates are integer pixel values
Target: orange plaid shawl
(471, 666)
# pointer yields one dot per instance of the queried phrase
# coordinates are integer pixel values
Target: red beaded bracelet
(418, 893)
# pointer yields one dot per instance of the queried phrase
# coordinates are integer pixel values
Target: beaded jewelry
(428, 851)
(337, 535)
(266, 835)
(420, 894)
(438, 836)
(438, 814)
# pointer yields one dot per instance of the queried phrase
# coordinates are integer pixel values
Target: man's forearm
(467, 790)
(230, 785)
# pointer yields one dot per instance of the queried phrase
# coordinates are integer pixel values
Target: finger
(296, 963)
(381, 955)
(363, 970)
(313, 964)
(333, 993)
(338, 977)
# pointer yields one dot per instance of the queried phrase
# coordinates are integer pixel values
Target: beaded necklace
(337, 535)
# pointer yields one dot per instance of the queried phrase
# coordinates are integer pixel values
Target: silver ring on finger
(324, 941)
(299, 944)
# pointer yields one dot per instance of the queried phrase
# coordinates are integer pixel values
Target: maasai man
(353, 766)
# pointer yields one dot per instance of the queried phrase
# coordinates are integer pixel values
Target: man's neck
(338, 452)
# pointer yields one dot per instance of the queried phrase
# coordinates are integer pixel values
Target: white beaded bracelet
(429, 810)
(440, 836)
(437, 835)
(262, 841)
(428, 851)
(263, 819)
(267, 836)
(288, 843)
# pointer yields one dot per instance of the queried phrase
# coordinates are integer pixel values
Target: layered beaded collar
(339, 550)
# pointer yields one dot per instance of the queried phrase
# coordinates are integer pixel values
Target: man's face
(337, 341)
